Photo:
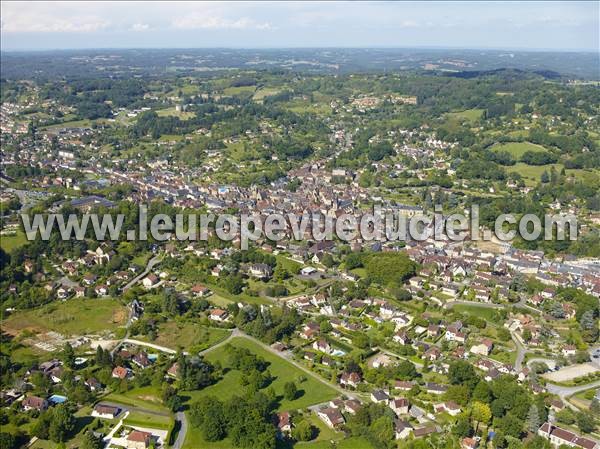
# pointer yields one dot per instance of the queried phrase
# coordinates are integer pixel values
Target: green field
(470, 115)
(184, 335)
(481, 312)
(171, 112)
(517, 149)
(10, 242)
(238, 90)
(147, 398)
(265, 92)
(314, 392)
(70, 317)
(532, 173)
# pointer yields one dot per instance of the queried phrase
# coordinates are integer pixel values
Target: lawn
(532, 173)
(470, 115)
(70, 317)
(183, 335)
(517, 149)
(481, 312)
(172, 112)
(147, 398)
(144, 419)
(239, 90)
(313, 391)
(12, 241)
(265, 92)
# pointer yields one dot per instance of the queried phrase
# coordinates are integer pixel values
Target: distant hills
(148, 62)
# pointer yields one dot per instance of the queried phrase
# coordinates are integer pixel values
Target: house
(200, 290)
(34, 403)
(101, 290)
(404, 385)
(120, 372)
(432, 354)
(469, 443)
(400, 406)
(484, 348)
(352, 406)
(138, 439)
(173, 371)
(141, 359)
(450, 407)
(150, 281)
(558, 437)
(433, 330)
(79, 291)
(322, 345)
(569, 350)
(105, 411)
(401, 338)
(218, 315)
(283, 423)
(402, 429)
(433, 388)
(260, 270)
(93, 384)
(425, 431)
(350, 379)
(331, 416)
(454, 335)
(379, 396)
(62, 292)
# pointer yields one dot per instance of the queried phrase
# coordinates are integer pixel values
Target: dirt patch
(149, 398)
(571, 372)
(119, 316)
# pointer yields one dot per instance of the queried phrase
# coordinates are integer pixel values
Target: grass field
(265, 92)
(532, 173)
(480, 312)
(147, 398)
(470, 115)
(70, 317)
(172, 112)
(313, 391)
(517, 149)
(10, 242)
(238, 90)
(184, 335)
(139, 418)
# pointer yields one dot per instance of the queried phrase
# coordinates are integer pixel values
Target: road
(149, 345)
(180, 416)
(521, 351)
(149, 266)
(286, 355)
(565, 392)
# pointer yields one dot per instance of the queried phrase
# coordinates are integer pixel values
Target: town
(312, 344)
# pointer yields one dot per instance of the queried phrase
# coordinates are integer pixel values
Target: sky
(556, 25)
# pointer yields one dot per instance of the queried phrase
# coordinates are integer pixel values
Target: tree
(462, 372)
(62, 424)
(90, 441)
(585, 422)
(482, 392)
(68, 355)
(207, 415)
(481, 413)
(382, 430)
(290, 391)
(302, 431)
(462, 428)
(8, 441)
(533, 419)
(595, 407)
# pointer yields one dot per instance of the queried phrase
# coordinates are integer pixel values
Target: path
(149, 266)
(180, 416)
(565, 392)
(149, 345)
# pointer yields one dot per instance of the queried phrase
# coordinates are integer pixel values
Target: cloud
(54, 25)
(140, 27)
(201, 22)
